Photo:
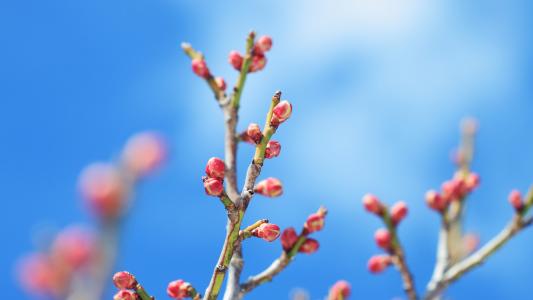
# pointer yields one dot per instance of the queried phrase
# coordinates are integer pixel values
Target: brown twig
(398, 258)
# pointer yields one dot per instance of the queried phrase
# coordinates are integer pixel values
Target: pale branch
(478, 257)
(442, 257)
(234, 273)
(274, 269)
(235, 215)
(449, 247)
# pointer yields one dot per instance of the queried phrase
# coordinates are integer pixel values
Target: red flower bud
(273, 149)
(270, 187)
(38, 275)
(235, 59)
(288, 238)
(258, 63)
(378, 263)
(254, 133)
(281, 112)
(398, 211)
(199, 67)
(515, 198)
(213, 186)
(144, 152)
(341, 290)
(73, 246)
(372, 204)
(383, 238)
(315, 222)
(125, 295)
(221, 83)
(124, 280)
(215, 168)
(178, 289)
(263, 44)
(102, 186)
(266, 231)
(309, 246)
(435, 201)
(471, 182)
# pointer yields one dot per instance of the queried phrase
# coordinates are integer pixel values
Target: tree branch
(398, 258)
(456, 271)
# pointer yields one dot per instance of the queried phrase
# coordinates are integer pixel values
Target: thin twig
(398, 258)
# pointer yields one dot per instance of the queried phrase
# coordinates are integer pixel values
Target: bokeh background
(378, 89)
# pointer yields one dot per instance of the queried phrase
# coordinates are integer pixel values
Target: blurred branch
(456, 271)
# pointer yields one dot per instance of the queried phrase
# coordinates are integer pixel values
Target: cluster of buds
(126, 283)
(105, 186)
(214, 181)
(49, 272)
(314, 223)
(261, 46)
(341, 290)
(455, 189)
(384, 237)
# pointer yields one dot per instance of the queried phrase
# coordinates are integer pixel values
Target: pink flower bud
(254, 133)
(263, 44)
(213, 186)
(144, 152)
(470, 242)
(378, 263)
(258, 63)
(178, 289)
(266, 231)
(398, 211)
(125, 295)
(73, 246)
(102, 186)
(288, 238)
(435, 201)
(341, 290)
(372, 204)
(124, 280)
(199, 67)
(383, 238)
(309, 246)
(270, 187)
(515, 198)
(315, 222)
(37, 274)
(235, 59)
(221, 83)
(215, 168)
(471, 182)
(273, 149)
(281, 112)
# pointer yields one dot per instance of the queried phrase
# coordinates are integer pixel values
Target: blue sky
(378, 89)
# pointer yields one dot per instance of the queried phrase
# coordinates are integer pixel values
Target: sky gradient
(378, 89)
